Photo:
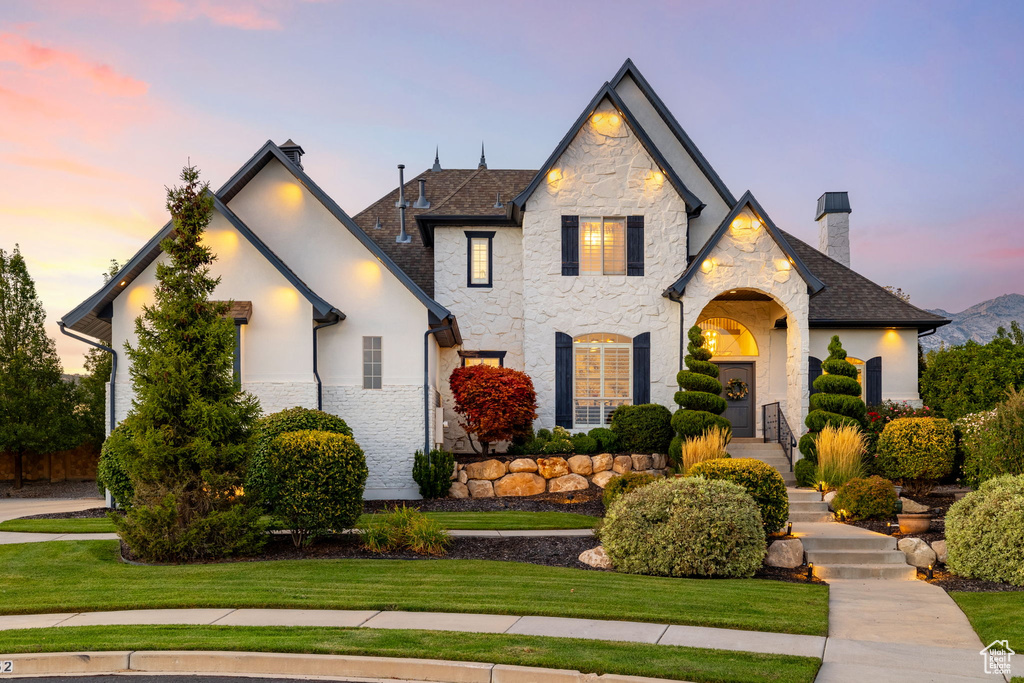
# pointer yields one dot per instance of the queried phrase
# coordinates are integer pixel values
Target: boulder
(601, 479)
(641, 462)
(455, 472)
(581, 464)
(659, 461)
(603, 462)
(918, 552)
(463, 477)
(828, 500)
(596, 557)
(481, 488)
(940, 550)
(519, 484)
(622, 463)
(550, 468)
(523, 465)
(487, 469)
(568, 482)
(458, 490)
(788, 553)
(912, 506)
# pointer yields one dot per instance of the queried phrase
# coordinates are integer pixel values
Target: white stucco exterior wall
(897, 348)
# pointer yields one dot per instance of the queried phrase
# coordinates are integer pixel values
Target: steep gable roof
(693, 204)
(92, 317)
(814, 285)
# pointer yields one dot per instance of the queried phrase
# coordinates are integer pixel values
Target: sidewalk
(12, 508)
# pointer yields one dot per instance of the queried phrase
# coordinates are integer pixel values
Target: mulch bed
(91, 513)
(45, 489)
(950, 582)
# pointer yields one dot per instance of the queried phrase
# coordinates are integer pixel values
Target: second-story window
(602, 246)
(479, 258)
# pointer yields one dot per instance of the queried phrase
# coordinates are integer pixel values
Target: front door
(740, 409)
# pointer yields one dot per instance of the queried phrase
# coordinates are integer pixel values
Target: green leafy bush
(269, 427)
(316, 483)
(850, 406)
(685, 527)
(985, 532)
(807, 446)
(762, 481)
(560, 443)
(646, 428)
(624, 483)
(544, 434)
(607, 441)
(993, 443)
(917, 451)
(433, 472)
(700, 403)
(805, 471)
(871, 498)
(404, 528)
(584, 444)
(111, 471)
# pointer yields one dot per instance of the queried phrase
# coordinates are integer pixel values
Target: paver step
(865, 571)
(810, 517)
(816, 543)
(831, 557)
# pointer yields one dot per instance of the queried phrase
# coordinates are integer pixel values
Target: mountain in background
(979, 322)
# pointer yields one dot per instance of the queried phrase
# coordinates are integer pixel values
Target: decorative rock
(622, 463)
(788, 553)
(601, 479)
(596, 557)
(463, 477)
(602, 463)
(523, 465)
(828, 500)
(941, 554)
(641, 462)
(655, 473)
(455, 472)
(481, 488)
(918, 552)
(519, 484)
(550, 468)
(659, 461)
(581, 464)
(912, 506)
(488, 469)
(458, 490)
(568, 482)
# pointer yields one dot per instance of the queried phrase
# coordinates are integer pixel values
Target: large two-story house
(585, 273)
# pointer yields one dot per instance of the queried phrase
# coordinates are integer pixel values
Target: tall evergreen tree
(37, 406)
(189, 423)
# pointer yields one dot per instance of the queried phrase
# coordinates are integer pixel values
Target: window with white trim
(602, 246)
(602, 378)
(371, 362)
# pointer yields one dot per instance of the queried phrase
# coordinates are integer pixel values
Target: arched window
(727, 337)
(602, 377)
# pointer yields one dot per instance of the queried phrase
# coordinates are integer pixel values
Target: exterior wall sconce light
(554, 175)
(783, 264)
(755, 224)
(707, 265)
(657, 177)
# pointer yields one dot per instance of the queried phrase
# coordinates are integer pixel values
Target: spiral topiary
(837, 401)
(700, 405)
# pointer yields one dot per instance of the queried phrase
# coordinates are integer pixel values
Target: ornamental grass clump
(708, 446)
(762, 481)
(840, 455)
(985, 532)
(700, 405)
(685, 527)
(403, 528)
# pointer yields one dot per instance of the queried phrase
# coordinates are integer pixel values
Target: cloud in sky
(20, 51)
(250, 16)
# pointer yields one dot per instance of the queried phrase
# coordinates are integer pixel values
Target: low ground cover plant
(644, 428)
(985, 532)
(840, 452)
(870, 498)
(404, 528)
(760, 480)
(685, 527)
(433, 472)
(916, 451)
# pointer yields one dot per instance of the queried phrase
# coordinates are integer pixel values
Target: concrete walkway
(12, 508)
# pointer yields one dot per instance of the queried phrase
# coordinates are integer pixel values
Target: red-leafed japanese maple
(496, 404)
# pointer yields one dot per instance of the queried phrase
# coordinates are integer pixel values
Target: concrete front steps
(770, 453)
(841, 551)
(806, 505)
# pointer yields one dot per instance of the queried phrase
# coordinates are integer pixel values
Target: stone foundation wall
(533, 475)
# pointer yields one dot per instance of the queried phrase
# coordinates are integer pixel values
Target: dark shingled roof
(849, 298)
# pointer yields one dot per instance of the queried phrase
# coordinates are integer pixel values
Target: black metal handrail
(775, 428)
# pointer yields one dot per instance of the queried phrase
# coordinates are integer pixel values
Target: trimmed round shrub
(316, 482)
(646, 428)
(695, 422)
(805, 471)
(985, 532)
(584, 444)
(838, 384)
(698, 381)
(871, 498)
(762, 481)
(916, 448)
(700, 399)
(270, 427)
(112, 470)
(685, 527)
(607, 441)
(544, 435)
(841, 404)
(808, 447)
(837, 402)
(624, 483)
(819, 419)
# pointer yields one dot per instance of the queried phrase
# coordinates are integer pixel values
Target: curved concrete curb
(326, 667)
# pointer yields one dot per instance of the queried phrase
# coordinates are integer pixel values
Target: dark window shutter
(813, 372)
(873, 380)
(563, 380)
(570, 245)
(634, 245)
(642, 368)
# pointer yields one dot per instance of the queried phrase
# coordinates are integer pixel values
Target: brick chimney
(833, 218)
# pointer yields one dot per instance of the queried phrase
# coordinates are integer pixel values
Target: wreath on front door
(736, 389)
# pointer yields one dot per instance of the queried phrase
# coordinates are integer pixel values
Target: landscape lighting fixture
(930, 575)
(810, 570)
(789, 529)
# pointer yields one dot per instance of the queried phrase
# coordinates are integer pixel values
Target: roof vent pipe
(403, 236)
(497, 202)
(422, 202)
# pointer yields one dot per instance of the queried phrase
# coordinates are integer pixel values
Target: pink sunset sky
(915, 108)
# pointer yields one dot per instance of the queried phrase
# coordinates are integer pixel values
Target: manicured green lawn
(995, 616)
(509, 520)
(591, 656)
(87, 576)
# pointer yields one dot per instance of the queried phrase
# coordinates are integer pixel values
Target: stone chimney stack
(833, 218)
